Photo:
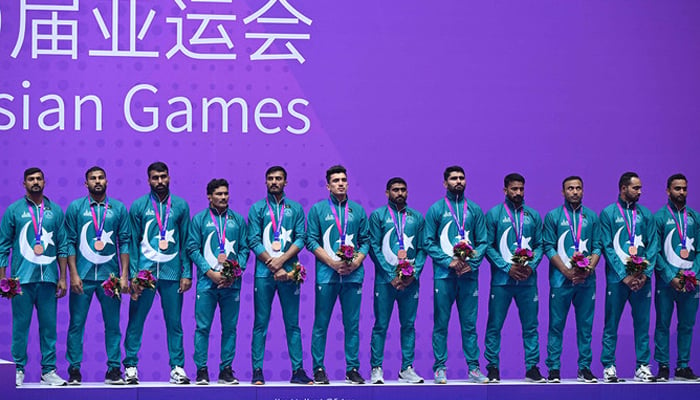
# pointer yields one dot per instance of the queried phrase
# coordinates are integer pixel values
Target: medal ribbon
(465, 212)
(162, 225)
(337, 220)
(99, 227)
(683, 234)
(280, 217)
(517, 225)
(631, 230)
(220, 231)
(37, 226)
(576, 237)
(399, 228)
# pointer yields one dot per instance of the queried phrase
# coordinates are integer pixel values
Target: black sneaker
(202, 376)
(74, 376)
(299, 377)
(354, 377)
(493, 374)
(226, 377)
(585, 375)
(258, 377)
(114, 377)
(320, 377)
(533, 375)
(685, 374)
(554, 376)
(663, 374)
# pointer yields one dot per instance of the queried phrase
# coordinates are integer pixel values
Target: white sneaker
(610, 374)
(52, 378)
(643, 374)
(178, 376)
(377, 376)
(475, 376)
(409, 375)
(19, 378)
(131, 376)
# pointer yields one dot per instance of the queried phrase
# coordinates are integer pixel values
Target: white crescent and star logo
(505, 248)
(152, 254)
(86, 249)
(327, 243)
(388, 253)
(562, 250)
(445, 242)
(285, 238)
(671, 255)
(209, 254)
(28, 252)
(618, 250)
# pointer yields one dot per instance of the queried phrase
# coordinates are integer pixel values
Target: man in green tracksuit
(679, 228)
(627, 229)
(513, 228)
(97, 229)
(32, 229)
(276, 234)
(332, 223)
(449, 221)
(217, 234)
(571, 232)
(159, 225)
(396, 234)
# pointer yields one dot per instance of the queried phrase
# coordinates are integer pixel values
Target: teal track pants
(350, 296)
(385, 296)
(171, 302)
(79, 305)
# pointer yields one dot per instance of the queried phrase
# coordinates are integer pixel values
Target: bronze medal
(684, 253)
(163, 244)
(38, 249)
(99, 245)
(402, 254)
(633, 250)
(221, 258)
(276, 245)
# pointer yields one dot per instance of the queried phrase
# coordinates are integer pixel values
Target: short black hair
(93, 169)
(451, 169)
(276, 168)
(157, 166)
(675, 177)
(626, 178)
(32, 171)
(513, 177)
(336, 169)
(571, 178)
(394, 180)
(216, 183)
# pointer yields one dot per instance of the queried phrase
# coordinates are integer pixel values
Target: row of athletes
(99, 238)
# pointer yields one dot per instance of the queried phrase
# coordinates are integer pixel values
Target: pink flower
(5, 285)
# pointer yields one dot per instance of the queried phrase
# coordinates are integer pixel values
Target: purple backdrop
(546, 88)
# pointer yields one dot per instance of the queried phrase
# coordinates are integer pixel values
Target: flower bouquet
(231, 271)
(580, 263)
(405, 270)
(346, 253)
(144, 280)
(688, 280)
(522, 256)
(10, 287)
(463, 250)
(298, 273)
(636, 265)
(112, 287)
